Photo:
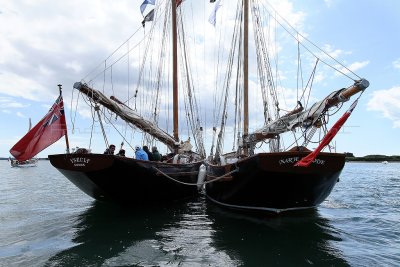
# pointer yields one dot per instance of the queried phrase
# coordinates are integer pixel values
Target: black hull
(128, 181)
(271, 182)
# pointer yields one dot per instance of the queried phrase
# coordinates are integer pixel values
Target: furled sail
(127, 114)
(306, 118)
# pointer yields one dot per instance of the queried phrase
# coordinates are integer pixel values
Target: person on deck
(121, 152)
(149, 154)
(140, 154)
(156, 154)
(110, 150)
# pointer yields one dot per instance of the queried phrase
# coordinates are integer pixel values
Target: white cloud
(335, 53)
(354, 67)
(387, 102)
(19, 114)
(319, 77)
(8, 102)
(45, 43)
(286, 10)
(74, 66)
(328, 3)
(16, 85)
(396, 64)
(358, 65)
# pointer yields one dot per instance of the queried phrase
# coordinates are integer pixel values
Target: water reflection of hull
(301, 238)
(104, 232)
(198, 233)
(173, 235)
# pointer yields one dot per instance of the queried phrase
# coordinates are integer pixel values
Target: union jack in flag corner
(56, 111)
(46, 132)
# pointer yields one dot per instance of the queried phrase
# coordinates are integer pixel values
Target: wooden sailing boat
(32, 162)
(126, 180)
(24, 164)
(286, 177)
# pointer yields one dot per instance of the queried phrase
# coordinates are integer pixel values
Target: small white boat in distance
(24, 163)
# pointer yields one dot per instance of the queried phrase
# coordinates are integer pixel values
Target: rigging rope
(196, 184)
(236, 42)
(310, 42)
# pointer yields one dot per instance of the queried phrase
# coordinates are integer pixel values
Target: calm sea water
(46, 221)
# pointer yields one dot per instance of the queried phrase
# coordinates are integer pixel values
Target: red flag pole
(66, 130)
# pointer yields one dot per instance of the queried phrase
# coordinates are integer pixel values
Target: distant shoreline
(373, 159)
(13, 158)
(370, 161)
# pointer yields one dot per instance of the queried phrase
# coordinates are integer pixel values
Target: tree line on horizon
(351, 157)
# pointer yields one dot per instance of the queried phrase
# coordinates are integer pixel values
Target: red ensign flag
(51, 128)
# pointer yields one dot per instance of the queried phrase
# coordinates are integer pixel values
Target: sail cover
(127, 114)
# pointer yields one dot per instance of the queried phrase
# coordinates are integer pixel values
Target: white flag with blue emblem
(145, 3)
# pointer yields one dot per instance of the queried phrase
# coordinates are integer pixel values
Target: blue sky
(45, 43)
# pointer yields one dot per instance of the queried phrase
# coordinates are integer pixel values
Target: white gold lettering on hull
(293, 160)
(79, 162)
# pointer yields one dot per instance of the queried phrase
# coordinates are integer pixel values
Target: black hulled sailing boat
(126, 180)
(265, 173)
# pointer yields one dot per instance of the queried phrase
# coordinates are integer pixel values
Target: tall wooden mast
(246, 72)
(175, 71)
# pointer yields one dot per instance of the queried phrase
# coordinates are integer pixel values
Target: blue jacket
(141, 154)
